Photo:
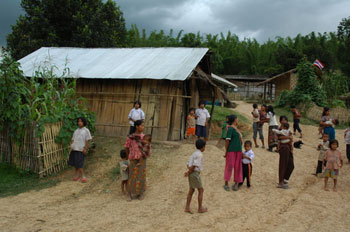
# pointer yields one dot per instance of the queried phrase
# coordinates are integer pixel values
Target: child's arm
(246, 157)
(190, 170)
(86, 147)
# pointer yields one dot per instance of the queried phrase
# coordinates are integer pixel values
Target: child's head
(255, 106)
(333, 144)
(248, 145)
(325, 137)
(147, 138)
(123, 154)
(200, 144)
(283, 119)
(336, 121)
(232, 119)
(81, 121)
(137, 104)
(285, 126)
(201, 104)
(192, 111)
(139, 125)
(325, 111)
(292, 107)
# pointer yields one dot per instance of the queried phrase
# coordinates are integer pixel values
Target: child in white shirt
(247, 157)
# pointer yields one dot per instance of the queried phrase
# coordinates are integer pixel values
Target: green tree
(69, 23)
(344, 45)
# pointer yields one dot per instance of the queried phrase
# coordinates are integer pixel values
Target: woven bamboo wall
(39, 155)
(315, 112)
(162, 101)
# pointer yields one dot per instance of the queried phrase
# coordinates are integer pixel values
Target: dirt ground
(99, 205)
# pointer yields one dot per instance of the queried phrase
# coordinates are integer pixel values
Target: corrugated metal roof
(223, 80)
(116, 63)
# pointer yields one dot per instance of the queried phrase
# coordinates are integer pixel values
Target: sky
(259, 19)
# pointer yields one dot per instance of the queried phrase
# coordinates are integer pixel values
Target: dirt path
(99, 206)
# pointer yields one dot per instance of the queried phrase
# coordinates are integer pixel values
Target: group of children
(197, 122)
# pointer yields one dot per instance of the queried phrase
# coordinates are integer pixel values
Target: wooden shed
(167, 81)
(281, 82)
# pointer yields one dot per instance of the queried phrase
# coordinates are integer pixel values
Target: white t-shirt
(273, 121)
(347, 136)
(136, 114)
(284, 133)
(80, 136)
(250, 154)
(256, 113)
(196, 159)
(202, 115)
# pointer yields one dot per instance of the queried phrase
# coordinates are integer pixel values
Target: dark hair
(270, 109)
(200, 143)
(83, 120)
(283, 117)
(123, 154)
(292, 106)
(137, 102)
(285, 125)
(148, 136)
(231, 119)
(333, 141)
(325, 109)
(248, 142)
(255, 105)
(264, 105)
(336, 121)
(201, 102)
(192, 109)
(138, 123)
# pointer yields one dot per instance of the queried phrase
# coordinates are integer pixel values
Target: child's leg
(194, 138)
(76, 172)
(250, 169)
(82, 172)
(189, 198)
(335, 185)
(325, 183)
(200, 201)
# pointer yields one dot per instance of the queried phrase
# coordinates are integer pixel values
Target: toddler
(124, 170)
(332, 162)
(322, 147)
(248, 156)
(191, 125)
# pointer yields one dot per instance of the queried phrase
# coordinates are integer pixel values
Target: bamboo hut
(283, 81)
(167, 81)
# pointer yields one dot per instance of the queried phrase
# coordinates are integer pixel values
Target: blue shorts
(201, 131)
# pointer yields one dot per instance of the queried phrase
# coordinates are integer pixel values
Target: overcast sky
(260, 19)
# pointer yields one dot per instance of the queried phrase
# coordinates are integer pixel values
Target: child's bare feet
(188, 211)
(128, 197)
(334, 189)
(326, 189)
(202, 210)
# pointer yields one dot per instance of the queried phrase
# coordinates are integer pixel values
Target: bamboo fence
(315, 112)
(39, 155)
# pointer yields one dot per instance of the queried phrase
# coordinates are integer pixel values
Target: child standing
(124, 170)
(202, 116)
(333, 162)
(296, 121)
(223, 132)
(256, 115)
(191, 125)
(135, 114)
(79, 146)
(322, 147)
(195, 166)
(347, 142)
(248, 156)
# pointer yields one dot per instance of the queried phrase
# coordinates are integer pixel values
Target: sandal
(75, 178)
(227, 188)
(83, 180)
(234, 187)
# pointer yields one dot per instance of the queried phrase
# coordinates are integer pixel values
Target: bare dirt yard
(99, 205)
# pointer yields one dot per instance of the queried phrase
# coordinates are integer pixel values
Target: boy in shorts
(195, 166)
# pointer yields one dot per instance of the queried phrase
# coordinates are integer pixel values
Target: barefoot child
(195, 166)
(124, 170)
(248, 156)
(296, 121)
(347, 142)
(191, 126)
(333, 162)
(79, 146)
(322, 147)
